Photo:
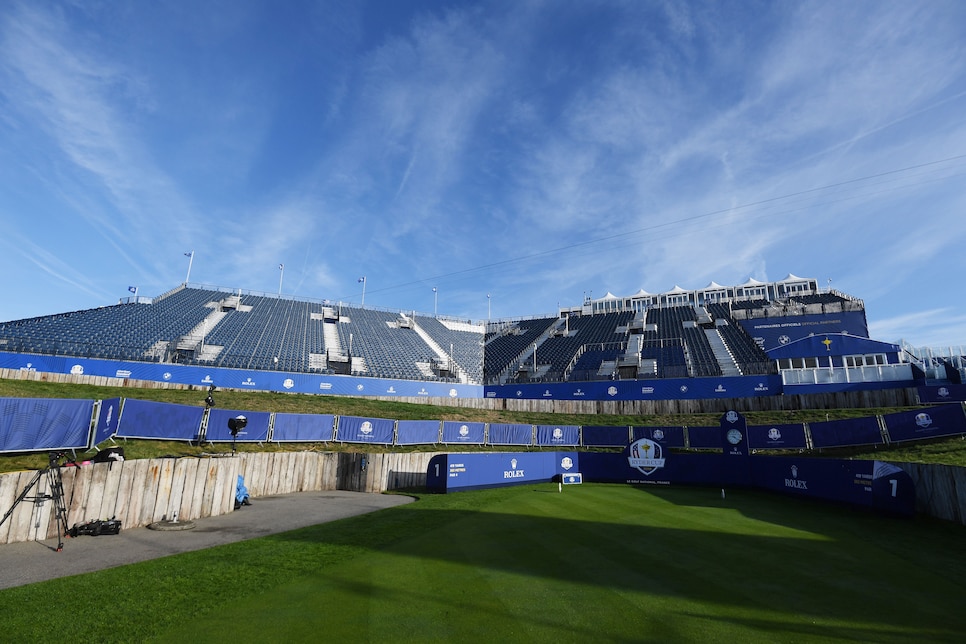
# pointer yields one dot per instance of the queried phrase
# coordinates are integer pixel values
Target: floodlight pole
(191, 258)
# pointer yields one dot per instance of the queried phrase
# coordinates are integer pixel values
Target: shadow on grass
(751, 551)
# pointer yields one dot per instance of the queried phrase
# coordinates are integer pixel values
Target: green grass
(600, 563)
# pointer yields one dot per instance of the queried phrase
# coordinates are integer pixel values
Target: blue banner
(604, 435)
(353, 429)
(558, 435)
(942, 393)
(704, 437)
(782, 436)
(108, 417)
(254, 431)
(168, 421)
(509, 434)
(250, 379)
(866, 483)
(667, 435)
(651, 389)
(948, 420)
(849, 431)
(459, 432)
(457, 472)
(417, 432)
(771, 332)
(28, 424)
(303, 427)
(873, 484)
(651, 464)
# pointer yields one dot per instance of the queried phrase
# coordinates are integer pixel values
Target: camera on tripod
(236, 424)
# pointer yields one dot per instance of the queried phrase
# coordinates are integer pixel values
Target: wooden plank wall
(940, 490)
(137, 492)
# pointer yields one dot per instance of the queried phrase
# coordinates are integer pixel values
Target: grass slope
(596, 562)
(946, 451)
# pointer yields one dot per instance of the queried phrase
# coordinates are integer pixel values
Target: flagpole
(363, 280)
(191, 258)
(281, 274)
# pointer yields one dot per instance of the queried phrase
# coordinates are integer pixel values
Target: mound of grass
(945, 451)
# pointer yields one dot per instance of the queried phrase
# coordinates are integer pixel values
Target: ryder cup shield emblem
(646, 456)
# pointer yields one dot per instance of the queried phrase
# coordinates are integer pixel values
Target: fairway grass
(602, 563)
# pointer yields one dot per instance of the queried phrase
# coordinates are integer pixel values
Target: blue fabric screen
(509, 434)
(704, 437)
(562, 435)
(455, 431)
(149, 419)
(353, 429)
(605, 435)
(417, 432)
(787, 436)
(849, 431)
(255, 431)
(107, 419)
(28, 424)
(668, 435)
(303, 427)
(919, 424)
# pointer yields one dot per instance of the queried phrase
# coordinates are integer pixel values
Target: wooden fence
(141, 492)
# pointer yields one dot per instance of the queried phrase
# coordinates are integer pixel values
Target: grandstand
(756, 331)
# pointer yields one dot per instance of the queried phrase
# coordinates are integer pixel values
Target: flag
(133, 289)
(362, 279)
(189, 254)
(281, 267)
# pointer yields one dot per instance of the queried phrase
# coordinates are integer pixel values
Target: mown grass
(946, 451)
(603, 563)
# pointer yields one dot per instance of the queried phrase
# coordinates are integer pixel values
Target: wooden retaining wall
(940, 490)
(137, 492)
(141, 492)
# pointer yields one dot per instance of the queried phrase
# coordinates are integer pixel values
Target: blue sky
(533, 151)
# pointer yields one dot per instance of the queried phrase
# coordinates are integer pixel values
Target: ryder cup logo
(774, 434)
(464, 431)
(943, 392)
(366, 428)
(646, 456)
(923, 420)
(288, 383)
(557, 433)
(731, 417)
(566, 463)
(612, 391)
(658, 435)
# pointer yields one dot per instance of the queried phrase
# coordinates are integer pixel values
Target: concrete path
(26, 563)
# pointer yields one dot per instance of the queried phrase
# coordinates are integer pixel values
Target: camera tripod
(55, 492)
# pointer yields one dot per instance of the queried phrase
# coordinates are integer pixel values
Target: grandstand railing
(840, 375)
